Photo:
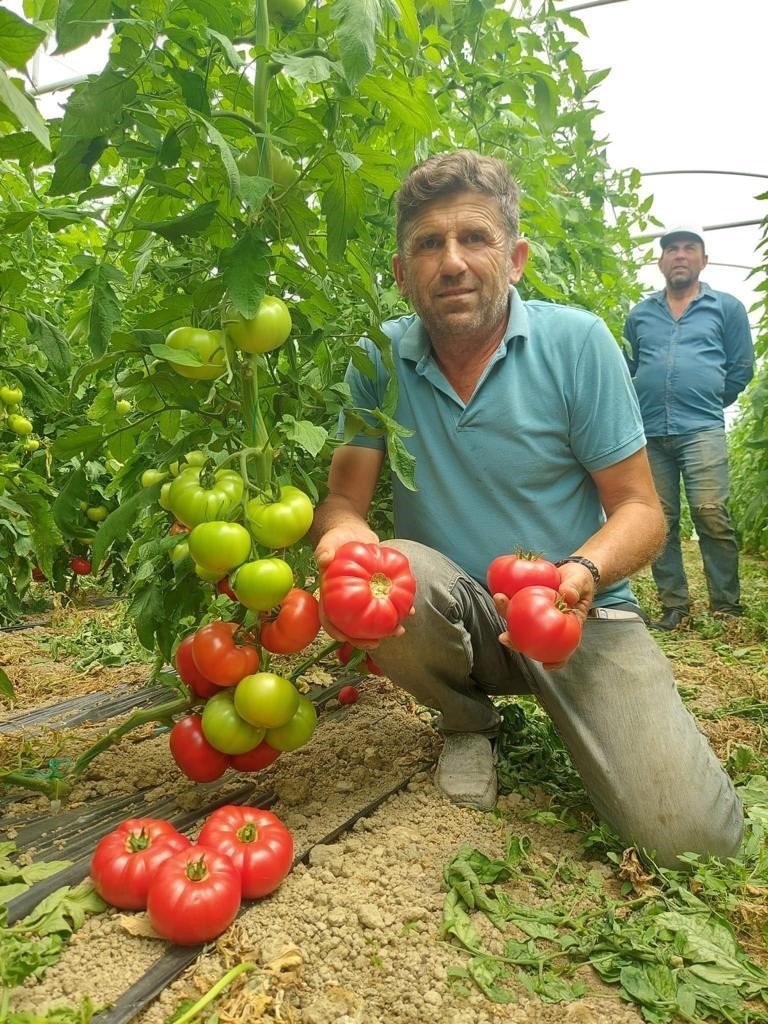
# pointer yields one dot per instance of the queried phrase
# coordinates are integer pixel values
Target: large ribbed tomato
(256, 841)
(542, 626)
(126, 860)
(367, 590)
(194, 896)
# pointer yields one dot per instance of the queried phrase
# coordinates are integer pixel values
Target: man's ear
(518, 259)
(397, 270)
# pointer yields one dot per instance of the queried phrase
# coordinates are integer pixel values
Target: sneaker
(671, 618)
(466, 771)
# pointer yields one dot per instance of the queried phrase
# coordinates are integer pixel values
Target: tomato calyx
(135, 842)
(380, 585)
(197, 870)
(248, 833)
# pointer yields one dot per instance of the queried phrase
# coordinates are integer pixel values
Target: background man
(526, 432)
(691, 357)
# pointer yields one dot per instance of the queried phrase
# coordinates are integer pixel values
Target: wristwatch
(585, 562)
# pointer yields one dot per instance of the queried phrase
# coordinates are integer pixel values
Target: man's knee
(712, 519)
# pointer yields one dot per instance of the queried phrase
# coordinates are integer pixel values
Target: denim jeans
(702, 461)
(648, 770)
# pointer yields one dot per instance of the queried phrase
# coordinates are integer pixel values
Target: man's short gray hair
(461, 171)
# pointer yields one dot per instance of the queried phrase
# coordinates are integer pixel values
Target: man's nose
(453, 261)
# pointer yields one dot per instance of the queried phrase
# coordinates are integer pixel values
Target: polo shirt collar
(704, 290)
(415, 344)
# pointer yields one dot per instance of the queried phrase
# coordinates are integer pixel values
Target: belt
(612, 613)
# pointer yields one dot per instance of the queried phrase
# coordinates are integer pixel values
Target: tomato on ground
(126, 860)
(80, 566)
(347, 652)
(192, 752)
(195, 896)
(257, 842)
(541, 625)
(348, 695)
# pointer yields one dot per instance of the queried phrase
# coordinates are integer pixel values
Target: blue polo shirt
(687, 371)
(510, 468)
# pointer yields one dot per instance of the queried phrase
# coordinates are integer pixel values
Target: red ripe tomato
(192, 752)
(190, 673)
(367, 590)
(509, 573)
(257, 842)
(223, 587)
(296, 624)
(194, 897)
(219, 658)
(177, 529)
(256, 759)
(541, 625)
(347, 652)
(348, 695)
(80, 566)
(37, 574)
(127, 859)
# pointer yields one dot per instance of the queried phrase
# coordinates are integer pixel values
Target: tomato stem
(334, 645)
(215, 990)
(380, 585)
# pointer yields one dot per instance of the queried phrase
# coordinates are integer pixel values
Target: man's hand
(331, 541)
(577, 589)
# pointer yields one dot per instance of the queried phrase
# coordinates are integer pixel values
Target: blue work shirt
(511, 467)
(687, 371)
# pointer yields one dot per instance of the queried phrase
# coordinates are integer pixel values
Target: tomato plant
(263, 332)
(279, 524)
(541, 625)
(285, 10)
(192, 752)
(257, 843)
(296, 732)
(346, 652)
(194, 497)
(295, 625)
(190, 673)
(126, 860)
(152, 476)
(367, 590)
(219, 657)
(225, 729)
(266, 700)
(255, 760)
(207, 346)
(509, 573)
(195, 896)
(262, 584)
(219, 546)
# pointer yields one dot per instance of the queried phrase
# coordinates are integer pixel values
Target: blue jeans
(701, 459)
(648, 770)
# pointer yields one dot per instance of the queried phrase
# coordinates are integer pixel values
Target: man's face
(457, 265)
(681, 262)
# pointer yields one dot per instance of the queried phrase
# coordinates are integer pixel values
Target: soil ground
(353, 934)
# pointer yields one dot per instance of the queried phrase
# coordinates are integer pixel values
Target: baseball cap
(682, 231)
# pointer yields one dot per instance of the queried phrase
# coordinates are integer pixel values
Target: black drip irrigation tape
(90, 707)
(171, 964)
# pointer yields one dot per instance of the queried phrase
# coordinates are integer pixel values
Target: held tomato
(208, 346)
(219, 546)
(257, 843)
(266, 700)
(541, 625)
(219, 658)
(509, 573)
(126, 860)
(190, 673)
(225, 729)
(194, 497)
(192, 752)
(297, 731)
(194, 897)
(346, 652)
(278, 524)
(262, 584)
(80, 566)
(296, 624)
(264, 332)
(367, 590)
(256, 759)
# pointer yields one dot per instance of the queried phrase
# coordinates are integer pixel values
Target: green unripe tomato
(122, 407)
(10, 396)
(164, 496)
(19, 424)
(262, 584)
(266, 700)
(264, 332)
(284, 172)
(225, 729)
(152, 476)
(208, 576)
(281, 11)
(278, 524)
(31, 444)
(219, 546)
(97, 513)
(208, 346)
(181, 550)
(296, 732)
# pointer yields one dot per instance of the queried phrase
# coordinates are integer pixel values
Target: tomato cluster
(11, 415)
(539, 622)
(193, 892)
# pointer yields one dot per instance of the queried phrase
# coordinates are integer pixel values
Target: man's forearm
(336, 513)
(631, 537)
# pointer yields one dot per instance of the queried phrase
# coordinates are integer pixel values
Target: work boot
(466, 771)
(734, 611)
(671, 618)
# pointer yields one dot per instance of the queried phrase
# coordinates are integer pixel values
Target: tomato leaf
(84, 439)
(118, 523)
(18, 39)
(42, 529)
(22, 109)
(359, 21)
(246, 267)
(6, 686)
(187, 225)
(77, 21)
(51, 342)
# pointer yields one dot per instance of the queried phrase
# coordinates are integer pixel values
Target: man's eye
(475, 238)
(429, 243)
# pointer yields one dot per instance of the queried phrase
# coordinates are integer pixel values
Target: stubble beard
(484, 319)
